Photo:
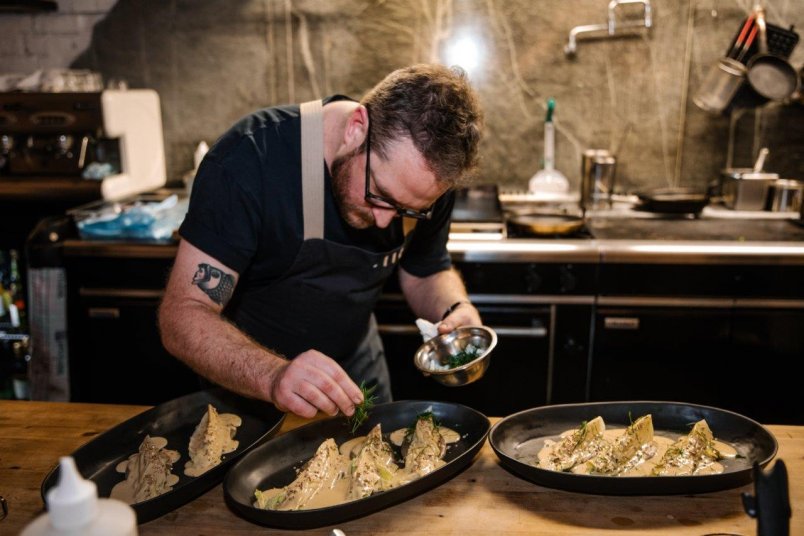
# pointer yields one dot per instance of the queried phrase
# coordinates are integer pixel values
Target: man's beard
(357, 216)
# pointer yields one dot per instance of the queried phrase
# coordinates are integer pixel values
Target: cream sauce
(537, 452)
(148, 472)
(338, 492)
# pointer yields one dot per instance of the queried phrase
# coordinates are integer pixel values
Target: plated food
(176, 422)
(211, 440)
(149, 470)
(594, 449)
(374, 484)
(688, 466)
(362, 467)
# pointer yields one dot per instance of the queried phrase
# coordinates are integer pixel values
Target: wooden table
(485, 499)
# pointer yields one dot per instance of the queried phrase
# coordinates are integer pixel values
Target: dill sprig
(363, 409)
(468, 354)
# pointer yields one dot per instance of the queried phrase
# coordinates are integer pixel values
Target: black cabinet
(720, 335)
(116, 355)
(660, 353)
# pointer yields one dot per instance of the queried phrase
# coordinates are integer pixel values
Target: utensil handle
(747, 44)
(763, 31)
(735, 50)
(760, 163)
(549, 145)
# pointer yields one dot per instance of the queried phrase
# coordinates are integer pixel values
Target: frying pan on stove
(538, 224)
(673, 200)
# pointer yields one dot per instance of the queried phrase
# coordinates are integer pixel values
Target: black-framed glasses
(386, 202)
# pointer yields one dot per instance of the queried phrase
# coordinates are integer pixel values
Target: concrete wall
(213, 61)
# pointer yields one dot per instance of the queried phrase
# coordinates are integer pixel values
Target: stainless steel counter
(649, 241)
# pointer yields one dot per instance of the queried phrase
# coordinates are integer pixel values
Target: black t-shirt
(245, 207)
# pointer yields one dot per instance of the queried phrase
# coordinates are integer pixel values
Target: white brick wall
(49, 40)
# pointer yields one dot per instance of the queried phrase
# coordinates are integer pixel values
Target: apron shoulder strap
(312, 137)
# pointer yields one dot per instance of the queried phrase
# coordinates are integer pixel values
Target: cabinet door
(767, 347)
(661, 353)
(116, 355)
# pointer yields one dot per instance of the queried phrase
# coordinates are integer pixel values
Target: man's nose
(383, 216)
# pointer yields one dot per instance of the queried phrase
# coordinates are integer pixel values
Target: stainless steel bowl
(433, 356)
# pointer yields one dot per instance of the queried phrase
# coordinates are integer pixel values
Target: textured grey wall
(213, 61)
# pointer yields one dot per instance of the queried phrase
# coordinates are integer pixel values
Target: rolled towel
(427, 329)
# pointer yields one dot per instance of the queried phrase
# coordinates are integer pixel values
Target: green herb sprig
(363, 409)
(463, 357)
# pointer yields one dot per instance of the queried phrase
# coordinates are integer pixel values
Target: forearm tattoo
(215, 283)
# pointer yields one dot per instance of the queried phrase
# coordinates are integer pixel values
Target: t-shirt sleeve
(427, 252)
(223, 219)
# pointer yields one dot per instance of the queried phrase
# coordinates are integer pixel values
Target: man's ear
(354, 135)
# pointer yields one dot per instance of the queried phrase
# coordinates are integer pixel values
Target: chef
(298, 215)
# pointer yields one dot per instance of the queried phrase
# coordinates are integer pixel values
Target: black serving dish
(274, 463)
(753, 442)
(175, 421)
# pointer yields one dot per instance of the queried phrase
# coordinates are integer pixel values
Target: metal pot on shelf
(785, 195)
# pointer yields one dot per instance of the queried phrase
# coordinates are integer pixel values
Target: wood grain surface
(484, 499)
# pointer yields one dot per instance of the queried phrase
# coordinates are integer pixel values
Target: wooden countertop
(484, 499)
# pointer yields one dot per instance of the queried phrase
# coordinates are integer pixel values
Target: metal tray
(754, 444)
(274, 463)
(175, 421)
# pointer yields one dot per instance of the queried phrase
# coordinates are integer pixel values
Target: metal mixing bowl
(434, 355)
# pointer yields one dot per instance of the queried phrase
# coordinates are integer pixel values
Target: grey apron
(324, 301)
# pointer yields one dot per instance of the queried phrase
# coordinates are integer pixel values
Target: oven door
(648, 349)
(520, 367)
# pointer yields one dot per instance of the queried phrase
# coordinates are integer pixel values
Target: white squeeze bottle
(74, 509)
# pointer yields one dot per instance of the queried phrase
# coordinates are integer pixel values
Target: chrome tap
(610, 27)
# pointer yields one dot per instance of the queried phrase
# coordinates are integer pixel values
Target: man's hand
(463, 315)
(311, 382)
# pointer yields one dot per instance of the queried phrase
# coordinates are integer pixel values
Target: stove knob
(567, 279)
(533, 281)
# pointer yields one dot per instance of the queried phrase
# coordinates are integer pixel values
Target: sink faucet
(610, 27)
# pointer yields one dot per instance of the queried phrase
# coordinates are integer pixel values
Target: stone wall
(213, 61)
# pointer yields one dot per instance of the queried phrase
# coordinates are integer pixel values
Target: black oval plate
(175, 421)
(753, 442)
(273, 464)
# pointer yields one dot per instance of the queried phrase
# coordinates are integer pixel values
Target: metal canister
(597, 177)
(785, 195)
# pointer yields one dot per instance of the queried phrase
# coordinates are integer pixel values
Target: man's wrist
(452, 308)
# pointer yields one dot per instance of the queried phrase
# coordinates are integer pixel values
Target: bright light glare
(464, 51)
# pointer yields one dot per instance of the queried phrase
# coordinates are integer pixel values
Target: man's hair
(435, 107)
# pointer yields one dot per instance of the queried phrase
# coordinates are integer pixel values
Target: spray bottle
(75, 509)
(549, 180)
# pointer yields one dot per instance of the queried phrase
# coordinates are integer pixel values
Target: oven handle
(535, 332)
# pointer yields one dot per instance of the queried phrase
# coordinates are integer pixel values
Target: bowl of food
(459, 357)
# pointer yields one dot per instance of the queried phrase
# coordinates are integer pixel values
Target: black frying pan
(546, 224)
(673, 200)
(753, 443)
(771, 76)
(274, 463)
(175, 420)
